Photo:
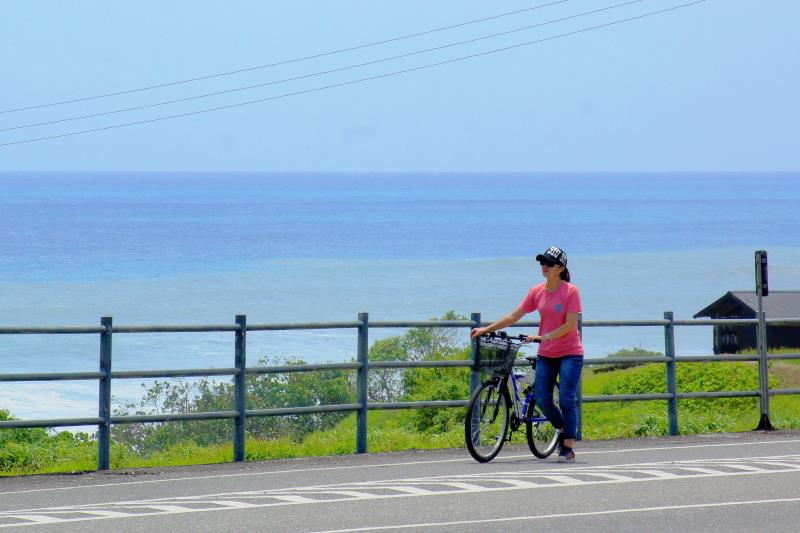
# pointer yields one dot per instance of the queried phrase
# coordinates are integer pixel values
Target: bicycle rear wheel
(487, 422)
(542, 436)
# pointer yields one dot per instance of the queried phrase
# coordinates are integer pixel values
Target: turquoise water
(66, 227)
(176, 248)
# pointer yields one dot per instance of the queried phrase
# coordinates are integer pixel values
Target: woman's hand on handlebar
(477, 332)
(533, 338)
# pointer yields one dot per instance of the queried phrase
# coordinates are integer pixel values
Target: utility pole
(762, 290)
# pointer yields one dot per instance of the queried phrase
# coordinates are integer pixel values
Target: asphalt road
(740, 482)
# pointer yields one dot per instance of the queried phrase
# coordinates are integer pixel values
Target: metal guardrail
(361, 366)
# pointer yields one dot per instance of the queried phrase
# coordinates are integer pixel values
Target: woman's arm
(563, 329)
(508, 320)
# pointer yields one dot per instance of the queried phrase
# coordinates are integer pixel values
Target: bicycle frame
(518, 405)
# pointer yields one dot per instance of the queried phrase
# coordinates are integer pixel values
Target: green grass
(29, 452)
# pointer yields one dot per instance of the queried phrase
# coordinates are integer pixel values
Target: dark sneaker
(566, 455)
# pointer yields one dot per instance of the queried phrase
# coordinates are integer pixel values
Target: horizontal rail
(173, 417)
(778, 357)
(783, 321)
(304, 325)
(622, 323)
(51, 376)
(627, 397)
(463, 363)
(422, 324)
(715, 358)
(181, 373)
(178, 328)
(304, 410)
(194, 328)
(620, 360)
(50, 330)
(433, 404)
(779, 392)
(718, 394)
(520, 324)
(667, 396)
(287, 369)
(52, 423)
(717, 322)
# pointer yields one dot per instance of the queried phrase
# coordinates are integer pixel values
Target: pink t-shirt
(553, 308)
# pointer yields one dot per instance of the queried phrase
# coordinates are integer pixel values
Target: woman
(561, 351)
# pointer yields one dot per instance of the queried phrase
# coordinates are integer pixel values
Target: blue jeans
(568, 369)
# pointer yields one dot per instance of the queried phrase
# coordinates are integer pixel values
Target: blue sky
(704, 88)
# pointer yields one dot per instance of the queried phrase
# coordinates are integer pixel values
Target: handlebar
(505, 336)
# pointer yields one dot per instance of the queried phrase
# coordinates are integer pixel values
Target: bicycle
(494, 414)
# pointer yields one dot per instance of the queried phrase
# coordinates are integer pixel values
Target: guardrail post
(104, 397)
(361, 382)
(764, 423)
(474, 373)
(240, 387)
(579, 391)
(669, 351)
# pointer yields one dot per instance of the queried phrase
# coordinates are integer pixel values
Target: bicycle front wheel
(542, 436)
(487, 422)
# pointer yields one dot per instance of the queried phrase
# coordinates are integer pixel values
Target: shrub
(694, 377)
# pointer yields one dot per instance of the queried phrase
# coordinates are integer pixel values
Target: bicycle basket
(496, 355)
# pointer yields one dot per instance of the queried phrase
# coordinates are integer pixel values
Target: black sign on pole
(762, 281)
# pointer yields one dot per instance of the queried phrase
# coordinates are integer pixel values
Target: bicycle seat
(531, 358)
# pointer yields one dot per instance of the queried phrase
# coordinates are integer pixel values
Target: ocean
(175, 248)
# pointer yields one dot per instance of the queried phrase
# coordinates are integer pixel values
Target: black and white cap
(554, 254)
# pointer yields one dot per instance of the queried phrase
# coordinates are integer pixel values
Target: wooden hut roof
(778, 304)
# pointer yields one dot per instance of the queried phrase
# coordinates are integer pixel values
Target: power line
(360, 80)
(331, 71)
(287, 61)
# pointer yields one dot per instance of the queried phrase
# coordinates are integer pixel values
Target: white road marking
(774, 463)
(740, 466)
(294, 499)
(384, 465)
(38, 519)
(617, 477)
(411, 490)
(702, 470)
(453, 484)
(564, 480)
(233, 504)
(565, 515)
(656, 473)
(466, 487)
(521, 484)
(168, 509)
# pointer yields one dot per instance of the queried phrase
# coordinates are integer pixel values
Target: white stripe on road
(446, 485)
(618, 477)
(564, 515)
(38, 519)
(168, 509)
(747, 468)
(384, 465)
(290, 498)
(656, 473)
(409, 490)
(564, 480)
